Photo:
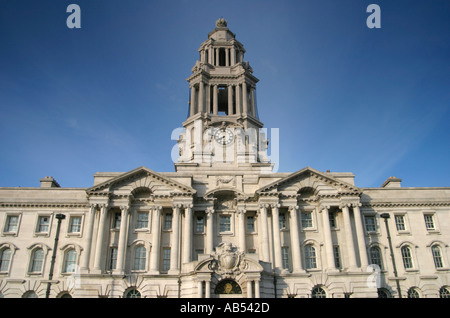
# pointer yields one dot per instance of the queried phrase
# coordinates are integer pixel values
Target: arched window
(139, 258)
(444, 292)
(37, 260)
(437, 256)
(5, 259)
(30, 294)
(384, 293)
(70, 261)
(406, 257)
(228, 286)
(375, 256)
(132, 293)
(413, 293)
(318, 292)
(310, 257)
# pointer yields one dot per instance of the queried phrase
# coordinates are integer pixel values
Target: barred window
(225, 223)
(413, 293)
(12, 223)
(166, 259)
(75, 224)
(250, 224)
(370, 222)
(5, 259)
(429, 221)
(375, 256)
(168, 221)
(113, 258)
(285, 257)
(43, 224)
(200, 224)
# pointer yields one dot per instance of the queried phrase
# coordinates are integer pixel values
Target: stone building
(224, 224)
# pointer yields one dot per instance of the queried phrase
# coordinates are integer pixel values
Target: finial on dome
(221, 23)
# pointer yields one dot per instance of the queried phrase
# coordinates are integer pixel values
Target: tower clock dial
(224, 136)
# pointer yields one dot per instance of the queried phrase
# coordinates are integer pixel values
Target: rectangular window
(332, 217)
(166, 259)
(429, 222)
(282, 220)
(116, 221)
(400, 222)
(285, 257)
(142, 220)
(370, 222)
(168, 221)
(75, 224)
(337, 256)
(307, 220)
(250, 224)
(12, 223)
(43, 224)
(113, 258)
(225, 223)
(200, 224)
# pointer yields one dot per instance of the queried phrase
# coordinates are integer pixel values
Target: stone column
(156, 238)
(100, 239)
(90, 230)
(207, 289)
(227, 56)
(278, 264)
(253, 103)
(209, 230)
(233, 55)
(174, 241)
(215, 100)
(188, 234)
(217, 57)
(200, 289)
(360, 236)
(238, 99)
(192, 106)
(121, 250)
(265, 257)
(244, 98)
(295, 240)
(211, 54)
(328, 242)
(257, 292)
(201, 97)
(208, 99)
(230, 99)
(349, 238)
(242, 232)
(249, 289)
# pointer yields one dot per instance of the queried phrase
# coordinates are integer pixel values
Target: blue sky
(106, 97)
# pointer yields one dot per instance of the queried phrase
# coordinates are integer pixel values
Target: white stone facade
(223, 224)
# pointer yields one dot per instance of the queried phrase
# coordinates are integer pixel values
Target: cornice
(69, 205)
(405, 204)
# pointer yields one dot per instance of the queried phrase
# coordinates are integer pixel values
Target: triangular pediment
(141, 178)
(308, 178)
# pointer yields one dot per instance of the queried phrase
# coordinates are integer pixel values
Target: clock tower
(223, 127)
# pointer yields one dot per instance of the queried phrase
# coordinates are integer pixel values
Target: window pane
(285, 257)
(282, 219)
(250, 224)
(168, 221)
(43, 224)
(36, 261)
(375, 256)
(370, 224)
(142, 220)
(400, 222)
(310, 257)
(12, 222)
(166, 259)
(70, 262)
(200, 224)
(225, 225)
(117, 219)
(429, 222)
(113, 260)
(406, 255)
(5, 258)
(306, 220)
(437, 256)
(139, 258)
(75, 224)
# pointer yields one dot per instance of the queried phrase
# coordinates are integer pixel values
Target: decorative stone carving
(228, 261)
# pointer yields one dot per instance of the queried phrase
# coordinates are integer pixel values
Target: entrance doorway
(228, 288)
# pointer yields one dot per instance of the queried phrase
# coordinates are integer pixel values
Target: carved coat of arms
(228, 260)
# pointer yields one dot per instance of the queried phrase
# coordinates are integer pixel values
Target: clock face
(224, 136)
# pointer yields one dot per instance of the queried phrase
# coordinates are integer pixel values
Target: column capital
(264, 205)
(157, 208)
(177, 205)
(293, 208)
(241, 211)
(356, 204)
(275, 205)
(209, 210)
